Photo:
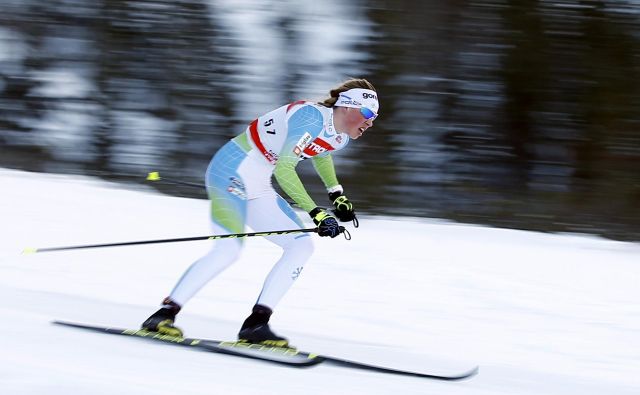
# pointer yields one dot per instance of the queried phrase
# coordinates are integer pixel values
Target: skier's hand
(327, 224)
(343, 207)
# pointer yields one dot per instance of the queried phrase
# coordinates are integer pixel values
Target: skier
(238, 182)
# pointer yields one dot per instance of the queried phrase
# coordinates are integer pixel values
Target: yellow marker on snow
(29, 250)
(153, 176)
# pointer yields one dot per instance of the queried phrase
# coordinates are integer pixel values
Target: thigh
(226, 189)
(270, 213)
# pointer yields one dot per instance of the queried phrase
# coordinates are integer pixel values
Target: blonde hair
(345, 86)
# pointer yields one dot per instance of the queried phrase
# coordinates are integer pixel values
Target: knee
(229, 249)
(303, 246)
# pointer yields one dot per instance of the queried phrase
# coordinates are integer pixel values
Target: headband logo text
(369, 96)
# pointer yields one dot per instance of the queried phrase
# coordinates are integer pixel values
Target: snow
(539, 313)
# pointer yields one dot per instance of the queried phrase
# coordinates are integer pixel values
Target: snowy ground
(539, 313)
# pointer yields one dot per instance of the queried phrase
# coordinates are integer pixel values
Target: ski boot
(255, 329)
(162, 320)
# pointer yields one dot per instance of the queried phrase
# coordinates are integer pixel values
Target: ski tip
(64, 323)
(472, 372)
(29, 250)
(153, 176)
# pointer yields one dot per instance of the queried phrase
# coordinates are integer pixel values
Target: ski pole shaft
(157, 241)
(155, 176)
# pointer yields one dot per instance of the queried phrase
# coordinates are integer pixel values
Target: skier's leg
(273, 212)
(228, 215)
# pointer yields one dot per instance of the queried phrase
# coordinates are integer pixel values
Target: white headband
(357, 98)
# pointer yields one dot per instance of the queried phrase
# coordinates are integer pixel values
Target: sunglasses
(367, 113)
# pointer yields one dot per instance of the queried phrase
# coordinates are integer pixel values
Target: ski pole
(214, 237)
(155, 176)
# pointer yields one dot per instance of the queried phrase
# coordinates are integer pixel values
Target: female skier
(238, 182)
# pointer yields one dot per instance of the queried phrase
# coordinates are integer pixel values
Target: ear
(339, 112)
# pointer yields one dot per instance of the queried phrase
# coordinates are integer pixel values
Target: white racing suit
(238, 182)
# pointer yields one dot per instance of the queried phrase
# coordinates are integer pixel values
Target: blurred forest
(514, 114)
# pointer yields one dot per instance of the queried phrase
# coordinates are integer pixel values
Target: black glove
(327, 224)
(343, 207)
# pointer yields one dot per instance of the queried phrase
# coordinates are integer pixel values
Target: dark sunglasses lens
(367, 113)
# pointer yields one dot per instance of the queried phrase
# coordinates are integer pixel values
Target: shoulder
(305, 108)
(306, 114)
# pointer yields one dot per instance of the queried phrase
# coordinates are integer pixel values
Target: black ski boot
(162, 320)
(255, 329)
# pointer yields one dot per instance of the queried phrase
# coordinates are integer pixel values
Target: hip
(234, 169)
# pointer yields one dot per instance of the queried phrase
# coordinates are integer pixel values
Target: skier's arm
(327, 172)
(303, 126)
(285, 174)
(325, 169)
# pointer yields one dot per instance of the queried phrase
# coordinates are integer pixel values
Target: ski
(400, 372)
(279, 355)
(346, 363)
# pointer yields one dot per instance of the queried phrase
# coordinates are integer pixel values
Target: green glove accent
(327, 224)
(343, 207)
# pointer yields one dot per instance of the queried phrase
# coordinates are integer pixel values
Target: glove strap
(321, 216)
(342, 203)
(318, 215)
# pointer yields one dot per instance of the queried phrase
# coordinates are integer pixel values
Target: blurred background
(519, 114)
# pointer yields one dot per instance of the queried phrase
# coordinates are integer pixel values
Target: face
(352, 122)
